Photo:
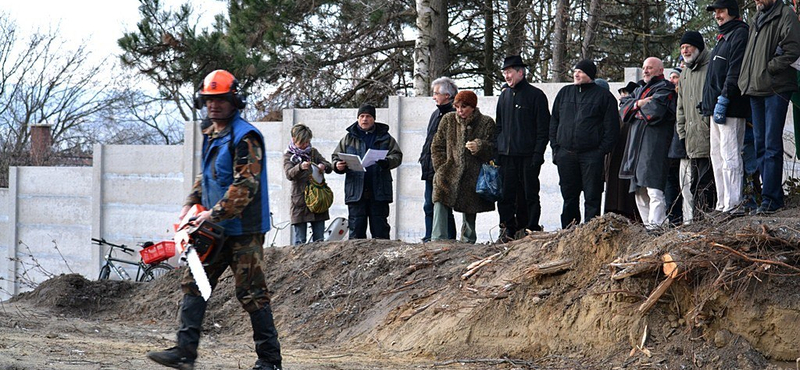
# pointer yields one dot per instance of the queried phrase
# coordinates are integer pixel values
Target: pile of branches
(718, 261)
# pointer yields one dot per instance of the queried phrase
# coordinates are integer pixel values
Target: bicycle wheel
(153, 272)
(105, 272)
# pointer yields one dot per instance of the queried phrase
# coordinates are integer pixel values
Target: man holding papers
(365, 155)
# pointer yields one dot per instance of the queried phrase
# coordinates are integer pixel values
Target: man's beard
(691, 58)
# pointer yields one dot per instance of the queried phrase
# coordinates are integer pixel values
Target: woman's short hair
(446, 86)
(301, 133)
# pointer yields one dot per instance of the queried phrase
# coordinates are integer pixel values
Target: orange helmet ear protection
(220, 84)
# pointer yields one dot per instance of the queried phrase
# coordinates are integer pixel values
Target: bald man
(650, 112)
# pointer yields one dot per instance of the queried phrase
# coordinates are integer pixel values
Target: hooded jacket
(693, 128)
(774, 44)
(523, 121)
(381, 178)
(724, 66)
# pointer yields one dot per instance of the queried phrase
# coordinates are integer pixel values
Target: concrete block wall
(5, 239)
(139, 193)
(49, 218)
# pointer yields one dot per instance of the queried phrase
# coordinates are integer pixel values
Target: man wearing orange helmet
(233, 189)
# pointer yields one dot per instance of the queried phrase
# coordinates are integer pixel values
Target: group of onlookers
(670, 151)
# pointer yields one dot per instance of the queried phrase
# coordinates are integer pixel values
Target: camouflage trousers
(244, 255)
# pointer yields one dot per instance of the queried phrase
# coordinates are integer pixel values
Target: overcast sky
(98, 22)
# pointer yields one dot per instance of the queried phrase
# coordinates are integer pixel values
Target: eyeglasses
(438, 93)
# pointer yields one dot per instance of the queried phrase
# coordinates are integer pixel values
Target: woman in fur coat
(297, 162)
(465, 140)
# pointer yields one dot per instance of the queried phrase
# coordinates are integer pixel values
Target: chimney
(41, 143)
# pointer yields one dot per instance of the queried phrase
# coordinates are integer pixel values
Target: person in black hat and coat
(583, 128)
(368, 193)
(727, 107)
(523, 121)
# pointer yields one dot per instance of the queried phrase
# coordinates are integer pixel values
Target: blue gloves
(720, 109)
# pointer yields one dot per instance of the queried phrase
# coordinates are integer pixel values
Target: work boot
(192, 311)
(266, 365)
(173, 357)
(265, 337)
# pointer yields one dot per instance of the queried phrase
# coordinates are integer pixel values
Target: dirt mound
(573, 297)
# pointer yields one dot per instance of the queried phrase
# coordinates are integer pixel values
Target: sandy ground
(390, 305)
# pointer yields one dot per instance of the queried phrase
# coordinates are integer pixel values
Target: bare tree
(440, 47)
(422, 48)
(560, 41)
(488, 47)
(42, 81)
(591, 28)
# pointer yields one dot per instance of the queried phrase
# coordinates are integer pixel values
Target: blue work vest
(218, 167)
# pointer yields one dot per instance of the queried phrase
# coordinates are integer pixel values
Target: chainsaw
(198, 243)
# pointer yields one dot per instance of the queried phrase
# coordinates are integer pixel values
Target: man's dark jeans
(580, 172)
(769, 117)
(428, 208)
(519, 174)
(372, 211)
(672, 192)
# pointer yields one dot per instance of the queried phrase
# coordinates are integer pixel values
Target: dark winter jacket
(766, 68)
(693, 127)
(644, 161)
(523, 121)
(433, 125)
(723, 71)
(456, 167)
(381, 178)
(299, 179)
(585, 118)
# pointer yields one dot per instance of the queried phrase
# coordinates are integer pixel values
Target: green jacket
(692, 126)
(765, 68)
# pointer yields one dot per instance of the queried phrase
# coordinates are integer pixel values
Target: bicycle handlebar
(112, 245)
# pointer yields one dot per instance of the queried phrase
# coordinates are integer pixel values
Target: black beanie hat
(693, 38)
(366, 108)
(588, 67)
(731, 5)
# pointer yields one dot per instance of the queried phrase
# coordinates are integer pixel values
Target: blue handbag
(490, 185)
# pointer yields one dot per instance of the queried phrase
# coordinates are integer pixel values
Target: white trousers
(726, 159)
(652, 206)
(686, 190)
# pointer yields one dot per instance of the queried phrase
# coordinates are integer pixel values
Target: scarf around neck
(299, 155)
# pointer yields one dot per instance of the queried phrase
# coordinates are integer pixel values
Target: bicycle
(276, 228)
(336, 229)
(145, 271)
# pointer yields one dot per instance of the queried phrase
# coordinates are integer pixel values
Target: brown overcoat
(456, 168)
(299, 179)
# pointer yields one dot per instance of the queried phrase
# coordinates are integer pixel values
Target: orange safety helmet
(220, 83)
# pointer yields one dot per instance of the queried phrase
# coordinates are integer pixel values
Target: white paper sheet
(317, 174)
(353, 162)
(372, 156)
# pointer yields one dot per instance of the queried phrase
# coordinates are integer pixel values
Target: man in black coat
(650, 111)
(444, 91)
(583, 129)
(728, 109)
(523, 121)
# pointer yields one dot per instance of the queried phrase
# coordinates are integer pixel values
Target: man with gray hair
(444, 91)
(697, 179)
(650, 111)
